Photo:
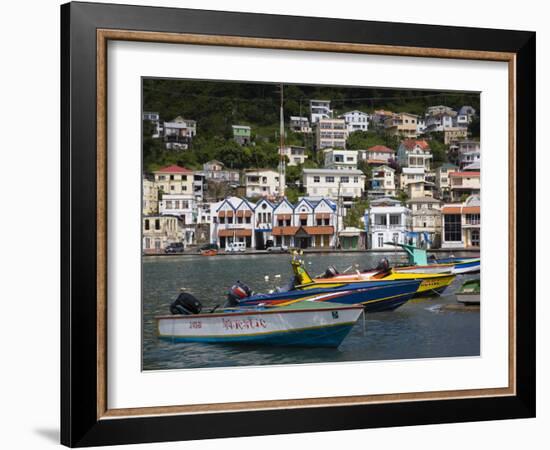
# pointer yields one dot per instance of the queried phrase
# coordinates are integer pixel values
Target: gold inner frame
(103, 36)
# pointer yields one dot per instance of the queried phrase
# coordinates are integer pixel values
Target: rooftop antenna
(281, 150)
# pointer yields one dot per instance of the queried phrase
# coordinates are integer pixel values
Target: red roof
(380, 149)
(412, 143)
(464, 174)
(174, 169)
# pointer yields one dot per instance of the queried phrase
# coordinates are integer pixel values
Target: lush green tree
(356, 213)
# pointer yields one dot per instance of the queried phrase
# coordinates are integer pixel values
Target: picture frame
(86, 419)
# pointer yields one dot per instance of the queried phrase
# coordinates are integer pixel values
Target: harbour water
(423, 328)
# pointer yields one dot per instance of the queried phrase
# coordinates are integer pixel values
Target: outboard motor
(237, 292)
(383, 265)
(331, 272)
(186, 305)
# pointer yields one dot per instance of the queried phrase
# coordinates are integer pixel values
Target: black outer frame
(79, 424)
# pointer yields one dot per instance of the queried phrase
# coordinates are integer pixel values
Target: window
(344, 179)
(430, 206)
(183, 188)
(319, 222)
(222, 219)
(157, 224)
(230, 220)
(316, 179)
(147, 242)
(453, 227)
(248, 219)
(172, 187)
(303, 222)
(380, 219)
(168, 204)
(475, 238)
(172, 177)
(356, 179)
(472, 219)
(147, 225)
(380, 240)
(239, 220)
(395, 237)
(329, 179)
(395, 219)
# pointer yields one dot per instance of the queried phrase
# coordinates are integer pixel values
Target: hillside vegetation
(218, 105)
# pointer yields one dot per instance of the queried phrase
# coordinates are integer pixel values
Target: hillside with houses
(354, 168)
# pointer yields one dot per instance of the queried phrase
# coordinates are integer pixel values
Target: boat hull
(312, 326)
(463, 265)
(429, 282)
(468, 299)
(373, 295)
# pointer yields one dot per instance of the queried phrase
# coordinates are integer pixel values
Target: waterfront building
(179, 133)
(462, 224)
(352, 238)
(378, 154)
(296, 155)
(442, 182)
(402, 124)
(330, 133)
(340, 159)
(215, 171)
(426, 222)
(382, 182)
(158, 231)
(299, 124)
(150, 197)
(262, 183)
(387, 220)
(414, 153)
(174, 180)
(463, 184)
(263, 223)
(334, 184)
(355, 120)
(319, 109)
(154, 118)
(241, 134)
(309, 223)
(232, 221)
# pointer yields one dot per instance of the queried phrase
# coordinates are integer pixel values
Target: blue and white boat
(304, 324)
(462, 265)
(374, 296)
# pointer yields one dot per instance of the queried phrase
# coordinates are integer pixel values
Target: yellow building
(174, 180)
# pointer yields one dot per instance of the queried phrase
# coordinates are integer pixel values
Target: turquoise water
(419, 329)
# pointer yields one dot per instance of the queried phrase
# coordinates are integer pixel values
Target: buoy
(278, 276)
(266, 278)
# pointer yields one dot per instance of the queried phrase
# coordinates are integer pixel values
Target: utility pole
(281, 150)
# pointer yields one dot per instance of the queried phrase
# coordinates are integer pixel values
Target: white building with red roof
(378, 154)
(414, 153)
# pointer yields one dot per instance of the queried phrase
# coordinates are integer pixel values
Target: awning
(303, 216)
(237, 232)
(451, 209)
(221, 214)
(244, 213)
(284, 231)
(322, 216)
(319, 230)
(471, 210)
(229, 213)
(283, 216)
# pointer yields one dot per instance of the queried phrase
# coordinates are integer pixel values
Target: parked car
(278, 249)
(175, 247)
(206, 247)
(236, 247)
